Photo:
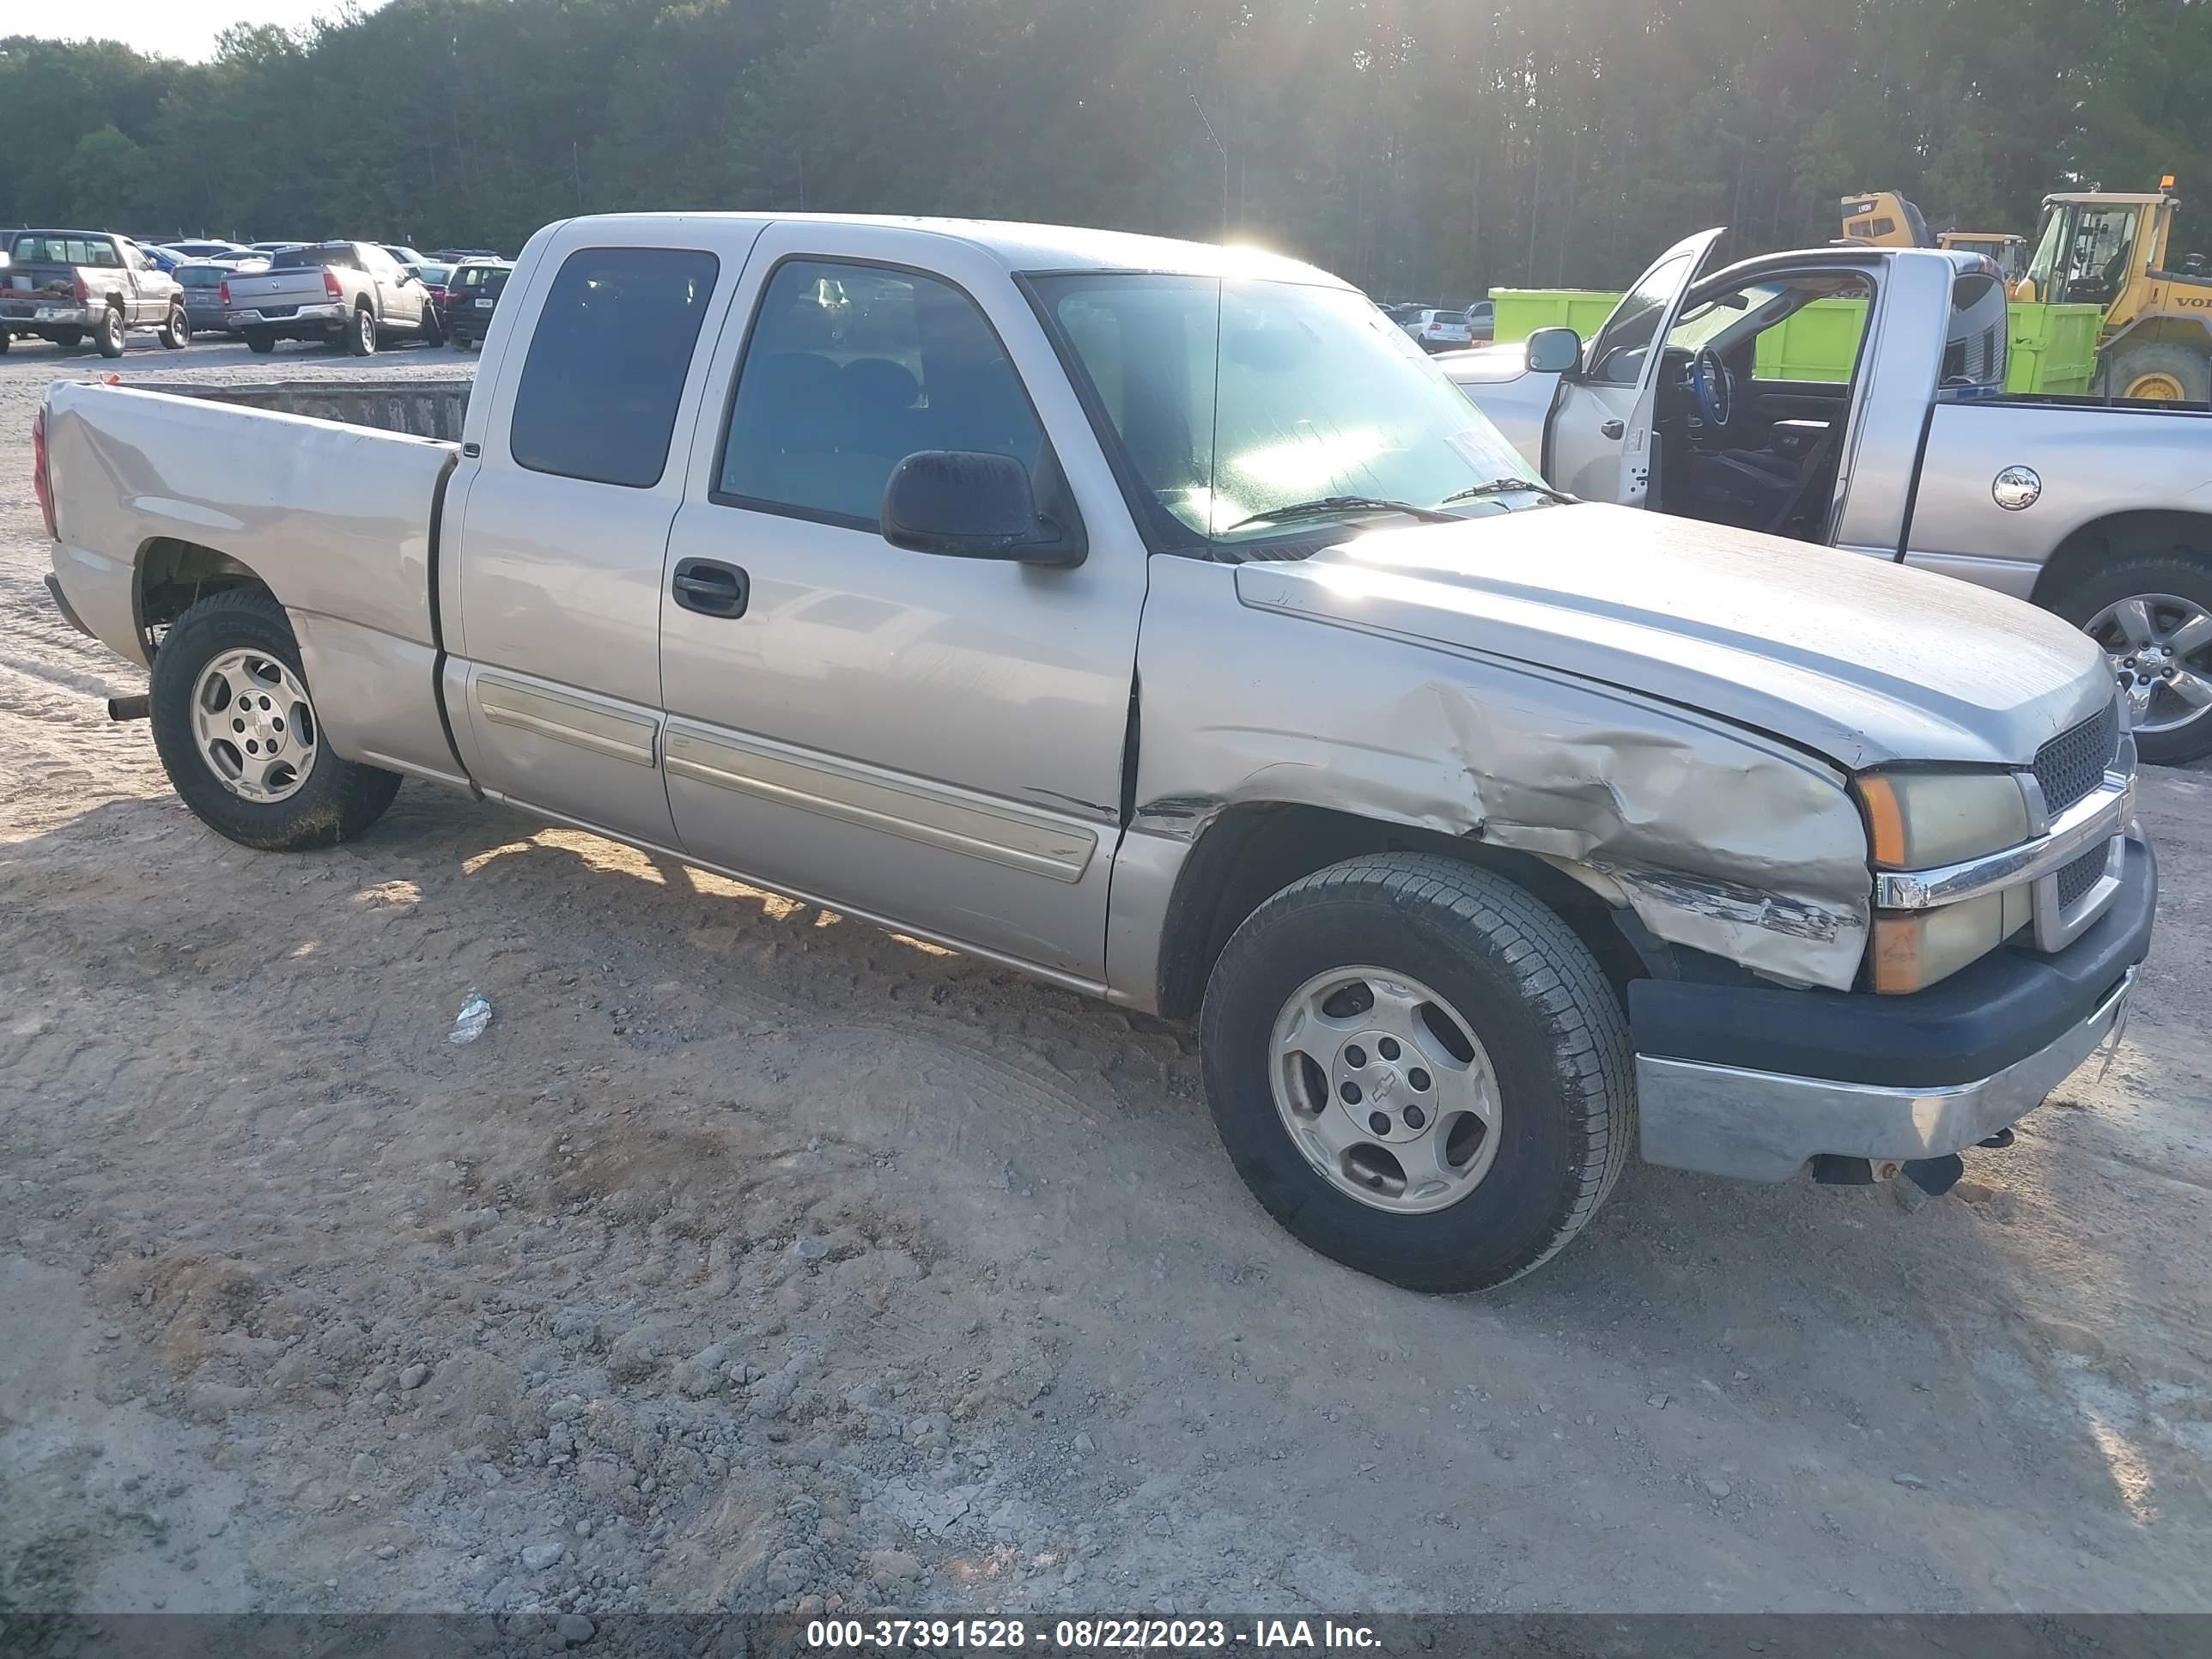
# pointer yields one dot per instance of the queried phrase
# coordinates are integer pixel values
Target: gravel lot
(755, 1258)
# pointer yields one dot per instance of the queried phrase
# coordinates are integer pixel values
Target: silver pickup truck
(349, 294)
(1156, 619)
(71, 286)
(2098, 510)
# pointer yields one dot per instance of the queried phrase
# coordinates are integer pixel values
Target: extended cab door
(572, 465)
(1600, 444)
(931, 741)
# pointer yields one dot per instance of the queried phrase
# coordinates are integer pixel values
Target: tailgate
(276, 289)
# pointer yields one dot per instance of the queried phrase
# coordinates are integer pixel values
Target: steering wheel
(1714, 388)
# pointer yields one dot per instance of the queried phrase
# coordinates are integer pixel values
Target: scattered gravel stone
(1085, 1445)
(539, 1557)
(414, 1376)
(892, 1566)
(810, 1248)
(1905, 1479)
(574, 1630)
(1718, 1488)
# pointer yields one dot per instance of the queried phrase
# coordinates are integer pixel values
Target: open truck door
(1599, 445)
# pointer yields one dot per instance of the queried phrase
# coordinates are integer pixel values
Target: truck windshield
(1234, 399)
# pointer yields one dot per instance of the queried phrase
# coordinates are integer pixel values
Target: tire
(433, 332)
(110, 337)
(176, 333)
(6, 340)
(333, 800)
(69, 339)
(2173, 587)
(2161, 374)
(1511, 974)
(259, 341)
(459, 342)
(361, 338)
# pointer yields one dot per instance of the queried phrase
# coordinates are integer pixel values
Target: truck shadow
(2033, 1351)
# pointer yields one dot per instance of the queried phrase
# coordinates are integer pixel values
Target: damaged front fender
(1719, 839)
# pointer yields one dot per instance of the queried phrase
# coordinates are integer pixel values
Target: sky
(185, 30)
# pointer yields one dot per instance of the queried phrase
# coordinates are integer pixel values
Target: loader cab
(2093, 245)
(2008, 253)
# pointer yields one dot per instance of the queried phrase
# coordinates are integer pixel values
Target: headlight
(1923, 820)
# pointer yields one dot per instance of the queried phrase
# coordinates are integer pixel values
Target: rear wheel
(360, 342)
(6, 340)
(239, 736)
(110, 337)
(1419, 1071)
(260, 342)
(2153, 616)
(176, 332)
(2163, 374)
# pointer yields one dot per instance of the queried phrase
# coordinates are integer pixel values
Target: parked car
(1482, 321)
(201, 280)
(1484, 833)
(434, 275)
(273, 247)
(71, 286)
(2090, 507)
(472, 294)
(204, 250)
(349, 294)
(457, 254)
(1440, 331)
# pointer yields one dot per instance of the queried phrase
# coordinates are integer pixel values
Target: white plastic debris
(476, 1014)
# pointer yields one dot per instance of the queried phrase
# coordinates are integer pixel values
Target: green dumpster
(2053, 347)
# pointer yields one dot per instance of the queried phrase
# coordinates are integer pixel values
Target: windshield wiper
(1327, 504)
(1511, 486)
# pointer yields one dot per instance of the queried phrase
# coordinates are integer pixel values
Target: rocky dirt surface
(754, 1258)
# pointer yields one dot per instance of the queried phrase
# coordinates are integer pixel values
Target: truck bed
(421, 408)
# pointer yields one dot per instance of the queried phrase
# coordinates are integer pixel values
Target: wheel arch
(1252, 850)
(2163, 328)
(2088, 547)
(173, 575)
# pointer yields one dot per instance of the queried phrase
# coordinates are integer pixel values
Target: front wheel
(1419, 1071)
(432, 332)
(110, 337)
(238, 735)
(2153, 616)
(2163, 374)
(176, 331)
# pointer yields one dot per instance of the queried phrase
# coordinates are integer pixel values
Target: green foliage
(1419, 147)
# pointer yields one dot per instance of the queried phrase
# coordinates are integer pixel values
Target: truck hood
(1860, 660)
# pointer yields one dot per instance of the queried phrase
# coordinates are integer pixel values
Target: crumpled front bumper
(1754, 1082)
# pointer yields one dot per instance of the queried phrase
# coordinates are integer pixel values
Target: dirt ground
(755, 1258)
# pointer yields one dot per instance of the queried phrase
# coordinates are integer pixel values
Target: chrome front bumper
(318, 316)
(1767, 1125)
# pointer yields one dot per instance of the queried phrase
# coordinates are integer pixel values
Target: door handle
(711, 588)
(1614, 429)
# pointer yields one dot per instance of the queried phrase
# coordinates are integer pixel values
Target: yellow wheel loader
(2115, 249)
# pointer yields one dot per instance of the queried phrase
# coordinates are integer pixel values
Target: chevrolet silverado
(1156, 619)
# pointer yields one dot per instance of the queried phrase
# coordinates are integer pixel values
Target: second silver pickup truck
(2099, 511)
(1156, 619)
(352, 295)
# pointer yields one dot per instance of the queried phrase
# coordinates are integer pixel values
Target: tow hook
(131, 709)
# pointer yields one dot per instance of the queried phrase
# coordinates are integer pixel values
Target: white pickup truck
(1158, 620)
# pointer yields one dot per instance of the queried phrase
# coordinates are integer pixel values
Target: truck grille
(2073, 763)
(2079, 877)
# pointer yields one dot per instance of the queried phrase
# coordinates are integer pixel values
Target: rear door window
(608, 359)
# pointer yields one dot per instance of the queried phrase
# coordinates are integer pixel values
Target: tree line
(1420, 147)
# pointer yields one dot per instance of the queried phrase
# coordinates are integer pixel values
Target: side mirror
(969, 505)
(1554, 351)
